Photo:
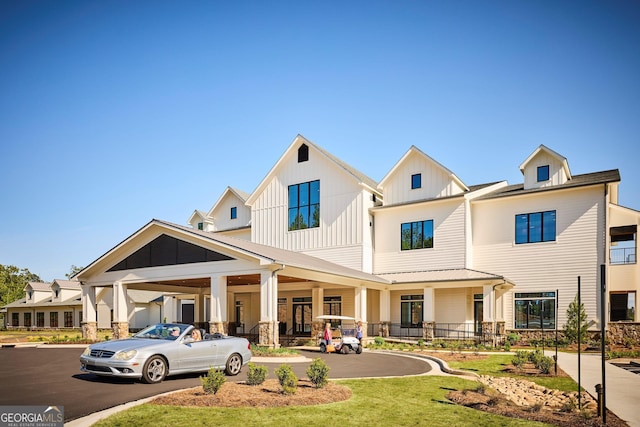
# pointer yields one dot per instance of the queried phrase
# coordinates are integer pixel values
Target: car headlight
(87, 351)
(125, 355)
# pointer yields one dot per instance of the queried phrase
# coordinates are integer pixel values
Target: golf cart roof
(334, 317)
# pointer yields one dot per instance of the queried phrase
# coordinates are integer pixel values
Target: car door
(197, 355)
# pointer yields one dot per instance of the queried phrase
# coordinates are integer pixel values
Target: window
(15, 319)
(623, 306)
(623, 244)
(543, 173)
(68, 319)
(53, 319)
(200, 226)
(29, 295)
(411, 311)
(234, 212)
(40, 319)
(27, 320)
(535, 310)
(303, 153)
(416, 235)
(56, 292)
(536, 227)
(304, 205)
(80, 317)
(332, 305)
(416, 181)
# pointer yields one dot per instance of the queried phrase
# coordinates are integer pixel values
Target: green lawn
(393, 401)
(494, 364)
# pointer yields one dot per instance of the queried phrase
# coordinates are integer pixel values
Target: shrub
(507, 346)
(378, 340)
(213, 381)
(256, 374)
(287, 379)
(520, 358)
(513, 338)
(318, 373)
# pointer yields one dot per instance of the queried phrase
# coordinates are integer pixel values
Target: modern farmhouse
(419, 254)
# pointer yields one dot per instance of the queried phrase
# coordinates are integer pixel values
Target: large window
(333, 306)
(27, 320)
(536, 227)
(416, 235)
(68, 319)
(623, 306)
(40, 319)
(535, 310)
(53, 319)
(411, 311)
(15, 319)
(304, 205)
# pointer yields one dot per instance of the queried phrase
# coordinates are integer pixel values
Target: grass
(391, 401)
(494, 364)
(261, 351)
(62, 335)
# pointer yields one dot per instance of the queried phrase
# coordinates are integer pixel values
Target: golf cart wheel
(323, 348)
(344, 349)
(359, 349)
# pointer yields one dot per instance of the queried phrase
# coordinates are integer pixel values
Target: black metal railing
(456, 331)
(404, 331)
(622, 256)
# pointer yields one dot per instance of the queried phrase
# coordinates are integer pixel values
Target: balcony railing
(622, 256)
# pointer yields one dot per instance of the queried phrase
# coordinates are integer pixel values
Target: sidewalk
(622, 387)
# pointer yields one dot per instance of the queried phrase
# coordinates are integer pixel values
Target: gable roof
(265, 254)
(415, 150)
(586, 179)
(38, 286)
(549, 151)
(243, 196)
(358, 176)
(67, 284)
(199, 213)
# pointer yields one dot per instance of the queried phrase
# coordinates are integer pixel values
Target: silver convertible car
(166, 349)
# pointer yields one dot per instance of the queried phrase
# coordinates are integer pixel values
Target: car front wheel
(234, 364)
(154, 370)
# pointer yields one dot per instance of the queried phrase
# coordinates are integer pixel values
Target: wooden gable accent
(166, 250)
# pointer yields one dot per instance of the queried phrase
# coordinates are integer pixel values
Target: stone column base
(268, 336)
(384, 329)
(488, 331)
(219, 327)
(429, 330)
(120, 330)
(90, 331)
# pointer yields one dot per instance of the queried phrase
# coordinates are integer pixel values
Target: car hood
(128, 344)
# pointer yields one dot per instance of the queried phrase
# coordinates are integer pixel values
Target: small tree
(213, 381)
(256, 374)
(571, 327)
(318, 373)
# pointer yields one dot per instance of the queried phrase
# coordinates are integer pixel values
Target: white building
(418, 254)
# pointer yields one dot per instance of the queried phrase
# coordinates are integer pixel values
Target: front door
(477, 316)
(302, 319)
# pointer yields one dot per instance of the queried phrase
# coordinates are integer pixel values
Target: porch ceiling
(205, 282)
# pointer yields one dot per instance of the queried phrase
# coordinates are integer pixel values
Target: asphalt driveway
(52, 376)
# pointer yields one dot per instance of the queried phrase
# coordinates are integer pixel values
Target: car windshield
(162, 331)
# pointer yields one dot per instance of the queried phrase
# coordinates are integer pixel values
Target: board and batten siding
(343, 213)
(545, 266)
(448, 237)
(436, 182)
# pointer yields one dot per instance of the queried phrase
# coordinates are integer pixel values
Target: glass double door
(302, 318)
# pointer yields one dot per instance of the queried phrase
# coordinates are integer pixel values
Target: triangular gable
(561, 159)
(166, 250)
(415, 150)
(356, 175)
(241, 195)
(198, 214)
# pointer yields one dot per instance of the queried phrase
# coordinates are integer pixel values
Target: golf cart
(344, 336)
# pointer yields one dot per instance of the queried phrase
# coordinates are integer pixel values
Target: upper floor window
(543, 173)
(623, 244)
(416, 181)
(56, 292)
(200, 226)
(303, 153)
(536, 227)
(234, 212)
(304, 205)
(416, 235)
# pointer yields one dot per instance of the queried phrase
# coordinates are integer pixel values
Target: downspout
(606, 249)
(275, 309)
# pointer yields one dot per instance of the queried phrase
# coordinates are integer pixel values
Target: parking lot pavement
(52, 377)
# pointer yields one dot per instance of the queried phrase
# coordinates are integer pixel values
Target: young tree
(73, 271)
(12, 283)
(571, 328)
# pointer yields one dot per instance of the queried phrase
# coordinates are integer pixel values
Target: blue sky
(114, 113)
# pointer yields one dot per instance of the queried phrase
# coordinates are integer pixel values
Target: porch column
(317, 307)
(198, 308)
(268, 309)
(218, 309)
(89, 313)
(488, 313)
(429, 314)
(385, 312)
(120, 323)
(361, 308)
